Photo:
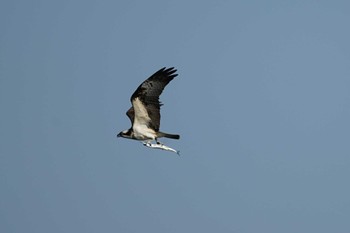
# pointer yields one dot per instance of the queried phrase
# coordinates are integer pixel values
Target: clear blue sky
(262, 103)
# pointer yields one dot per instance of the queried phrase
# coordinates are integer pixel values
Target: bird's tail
(166, 135)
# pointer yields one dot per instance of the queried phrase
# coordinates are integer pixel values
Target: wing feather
(148, 93)
(131, 114)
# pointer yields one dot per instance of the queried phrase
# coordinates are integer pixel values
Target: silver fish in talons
(161, 146)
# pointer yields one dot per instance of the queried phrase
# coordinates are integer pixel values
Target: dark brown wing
(131, 114)
(149, 91)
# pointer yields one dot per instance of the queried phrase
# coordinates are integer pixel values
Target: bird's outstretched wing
(145, 100)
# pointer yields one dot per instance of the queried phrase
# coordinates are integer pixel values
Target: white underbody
(141, 120)
(142, 132)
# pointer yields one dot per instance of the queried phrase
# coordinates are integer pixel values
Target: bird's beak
(119, 135)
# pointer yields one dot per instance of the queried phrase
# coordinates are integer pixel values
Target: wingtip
(170, 69)
(169, 72)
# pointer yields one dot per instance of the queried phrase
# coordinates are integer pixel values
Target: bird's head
(125, 134)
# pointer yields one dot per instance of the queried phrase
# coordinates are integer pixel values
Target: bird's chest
(142, 132)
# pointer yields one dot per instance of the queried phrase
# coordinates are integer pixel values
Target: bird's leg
(158, 142)
(147, 143)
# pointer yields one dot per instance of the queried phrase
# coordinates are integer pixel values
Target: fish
(161, 146)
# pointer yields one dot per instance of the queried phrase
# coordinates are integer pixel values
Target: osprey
(145, 111)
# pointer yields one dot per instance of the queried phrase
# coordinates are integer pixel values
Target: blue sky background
(262, 103)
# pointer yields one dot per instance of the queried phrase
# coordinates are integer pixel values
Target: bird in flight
(145, 111)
